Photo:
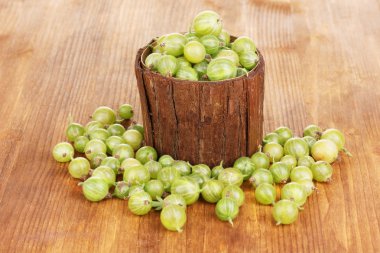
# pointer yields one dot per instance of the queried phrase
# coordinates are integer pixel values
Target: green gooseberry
(272, 137)
(241, 72)
(97, 159)
(80, 143)
(92, 125)
(113, 163)
(194, 52)
(166, 160)
(183, 167)
(99, 134)
(121, 190)
(201, 69)
(116, 130)
(133, 138)
(79, 168)
(191, 36)
(125, 111)
(106, 173)
(261, 176)
(295, 192)
(301, 173)
(211, 43)
(285, 212)
(261, 160)
(63, 152)
(95, 189)
(201, 169)
(243, 44)
(182, 62)
(94, 147)
(246, 166)
(313, 131)
(212, 190)
(309, 140)
(112, 142)
(129, 163)
(227, 210)
(308, 186)
(235, 193)
(231, 176)
(187, 73)
(188, 189)
(265, 194)
(280, 172)
(74, 130)
(137, 175)
(104, 115)
(290, 160)
(248, 59)
(216, 170)
(285, 134)
(207, 22)
(229, 54)
(167, 65)
(274, 150)
(171, 44)
(153, 167)
(324, 150)
(167, 175)
(221, 69)
(146, 154)
(296, 147)
(173, 218)
(155, 188)
(140, 203)
(151, 60)
(337, 137)
(123, 151)
(225, 38)
(305, 161)
(137, 127)
(322, 171)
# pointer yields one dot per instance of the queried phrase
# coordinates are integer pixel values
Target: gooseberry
(211, 43)
(187, 73)
(125, 111)
(295, 192)
(207, 22)
(74, 130)
(312, 131)
(171, 44)
(155, 188)
(135, 189)
(116, 130)
(153, 168)
(168, 175)
(167, 65)
(301, 173)
(123, 151)
(166, 160)
(95, 189)
(227, 209)
(322, 171)
(212, 190)
(216, 170)
(248, 59)
(305, 161)
(274, 150)
(296, 147)
(229, 54)
(285, 212)
(290, 160)
(280, 172)
(241, 72)
(173, 217)
(183, 167)
(260, 176)
(188, 189)
(337, 137)
(324, 150)
(221, 69)
(63, 152)
(151, 61)
(261, 160)
(136, 175)
(97, 159)
(133, 138)
(146, 154)
(231, 176)
(105, 173)
(94, 147)
(112, 142)
(225, 38)
(243, 44)
(194, 52)
(285, 134)
(121, 190)
(201, 69)
(129, 163)
(140, 203)
(79, 168)
(235, 193)
(246, 166)
(201, 169)
(113, 163)
(200, 179)
(80, 143)
(308, 186)
(309, 140)
(272, 137)
(265, 194)
(92, 125)
(137, 127)
(99, 134)
(182, 62)
(104, 115)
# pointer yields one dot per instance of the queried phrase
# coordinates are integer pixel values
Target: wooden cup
(203, 121)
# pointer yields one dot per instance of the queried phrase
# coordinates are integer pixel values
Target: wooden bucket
(201, 122)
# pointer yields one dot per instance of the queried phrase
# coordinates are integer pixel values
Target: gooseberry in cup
(229, 54)
(94, 147)
(296, 147)
(231, 176)
(211, 43)
(313, 131)
(235, 193)
(241, 72)
(171, 44)
(63, 152)
(146, 154)
(261, 176)
(285, 134)
(187, 73)
(183, 167)
(151, 60)
(74, 130)
(225, 38)
(243, 44)
(285, 212)
(113, 163)
(95, 189)
(121, 190)
(216, 170)
(167, 65)
(260, 159)
(201, 169)
(112, 142)
(248, 59)
(104, 115)
(274, 150)
(122, 152)
(99, 134)
(295, 192)
(280, 172)
(133, 138)
(194, 52)
(221, 69)
(190, 36)
(201, 69)
(265, 194)
(207, 22)
(79, 168)
(324, 150)
(155, 188)
(227, 210)
(182, 62)
(337, 137)
(140, 203)
(166, 160)
(116, 130)
(188, 189)
(322, 171)
(305, 161)
(301, 173)
(80, 143)
(136, 175)
(173, 218)
(212, 190)
(153, 167)
(167, 175)
(246, 166)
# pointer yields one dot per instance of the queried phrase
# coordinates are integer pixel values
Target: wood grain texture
(202, 122)
(68, 57)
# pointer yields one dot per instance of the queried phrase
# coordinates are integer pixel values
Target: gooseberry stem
(230, 221)
(347, 152)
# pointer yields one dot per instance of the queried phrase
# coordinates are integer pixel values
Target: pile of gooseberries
(205, 53)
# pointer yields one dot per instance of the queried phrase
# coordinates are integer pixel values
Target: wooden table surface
(68, 57)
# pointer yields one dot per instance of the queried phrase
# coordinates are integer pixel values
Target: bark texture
(202, 122)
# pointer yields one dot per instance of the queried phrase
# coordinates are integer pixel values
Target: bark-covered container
(201, 122)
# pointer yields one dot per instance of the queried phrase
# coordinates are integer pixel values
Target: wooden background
(60, 57)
